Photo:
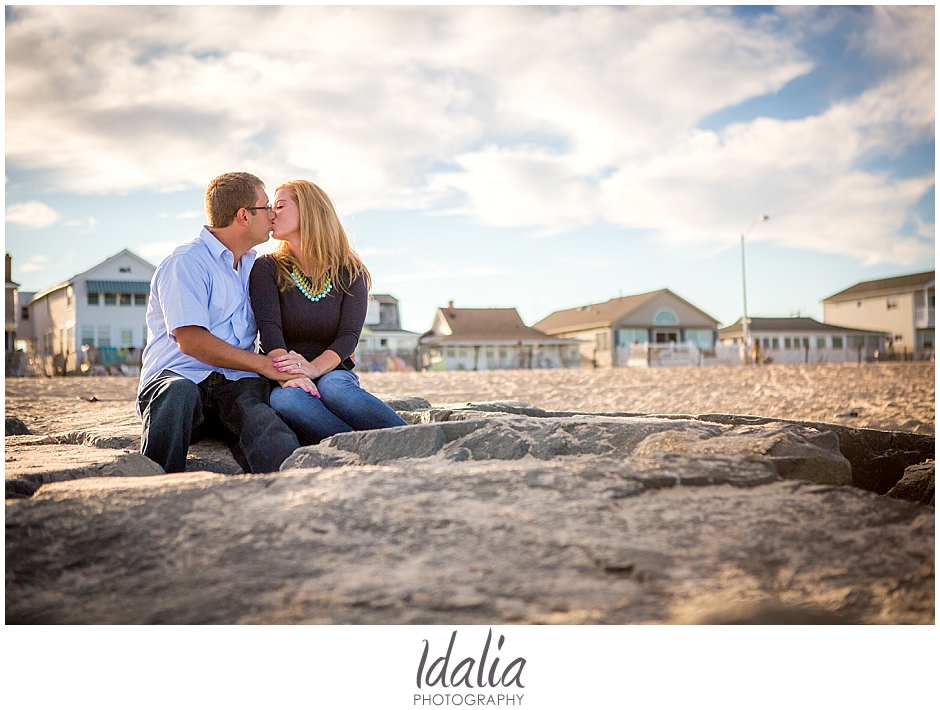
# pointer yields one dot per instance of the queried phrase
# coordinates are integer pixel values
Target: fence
(687, 354)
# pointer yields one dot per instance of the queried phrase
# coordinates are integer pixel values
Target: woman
(309, 299)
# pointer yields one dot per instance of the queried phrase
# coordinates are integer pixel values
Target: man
(200, 369)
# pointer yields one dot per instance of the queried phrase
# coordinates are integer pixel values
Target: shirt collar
(219, 250)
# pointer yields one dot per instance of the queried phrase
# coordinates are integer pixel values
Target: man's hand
(199, 343)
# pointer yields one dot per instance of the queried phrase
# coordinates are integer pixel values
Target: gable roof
(895, 284)
(602, 315)
(790, 325)
(123, 252)
(76, 277)
(485, 324)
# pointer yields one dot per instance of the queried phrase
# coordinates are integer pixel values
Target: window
(776, 342)
(836, 342)
(110, 299)
(766, 344)
(104, 336)
(127, 337)
(24, 313)
(898, 338)
(126, 299)
(629, 337)
(891, 302)
(125, 269)
(666, 316)
(786, 343)
(384, 342)
(806, 343)
(88, 335)
(69, 292)
(820, 343)
(450, 353)
(928, 339)
(93, 299)
(140, 299)
(873, 341)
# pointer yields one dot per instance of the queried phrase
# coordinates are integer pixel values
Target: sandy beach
(889, 396)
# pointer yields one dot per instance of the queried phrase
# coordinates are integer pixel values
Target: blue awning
(134, 287)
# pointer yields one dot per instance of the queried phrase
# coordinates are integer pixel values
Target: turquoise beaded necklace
(306, 288)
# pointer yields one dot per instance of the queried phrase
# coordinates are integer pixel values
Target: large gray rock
(792, 451)
(29, 467)
(494, 512)
(918, 484)
(430, 541)
(15, 427)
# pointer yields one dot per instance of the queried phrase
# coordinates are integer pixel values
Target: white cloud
(550, 118)
(36, 262)
(155, 252)
(33, 214)
(375, 251)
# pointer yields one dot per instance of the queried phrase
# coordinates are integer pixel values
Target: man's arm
(199, 343)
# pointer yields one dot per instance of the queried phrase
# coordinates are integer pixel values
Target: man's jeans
(343, 406)
(177, 412)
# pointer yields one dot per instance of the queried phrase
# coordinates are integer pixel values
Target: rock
(406, 404)
(794, 452)
(212, 455)
(878, 458)
(916, 485)
(572, 540)
(25, 473)
(15, 427)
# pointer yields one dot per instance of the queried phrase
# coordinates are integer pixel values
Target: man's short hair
(227, 194)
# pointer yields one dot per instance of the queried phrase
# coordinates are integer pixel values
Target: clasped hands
(294, 363)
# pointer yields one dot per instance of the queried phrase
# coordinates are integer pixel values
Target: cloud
(432, 272)
(550, 118)
(155, 252)
(34, 263)
(33, 214)
(375, 251)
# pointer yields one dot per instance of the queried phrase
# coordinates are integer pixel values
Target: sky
(540, 158)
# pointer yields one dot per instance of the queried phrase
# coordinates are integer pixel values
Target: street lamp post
(746, 329)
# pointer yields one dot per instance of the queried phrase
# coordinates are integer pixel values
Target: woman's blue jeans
(343, 406)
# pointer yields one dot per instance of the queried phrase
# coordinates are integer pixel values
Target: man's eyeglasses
(267, 208)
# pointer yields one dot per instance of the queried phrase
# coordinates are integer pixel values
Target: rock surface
(431, 541)
(15, 427)
(917, 484)
(495, 512)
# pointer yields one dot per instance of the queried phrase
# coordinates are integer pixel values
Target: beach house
(902, 306)
(384, 344)
(491, 339)
(95, 319)
(613, 333)
(806, 340)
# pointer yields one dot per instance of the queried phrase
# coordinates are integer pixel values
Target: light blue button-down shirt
(196, 285)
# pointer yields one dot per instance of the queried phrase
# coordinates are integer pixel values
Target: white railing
(659, 355)
(679, 354)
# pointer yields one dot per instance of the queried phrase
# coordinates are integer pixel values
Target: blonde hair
(323, 242)
(227, 194)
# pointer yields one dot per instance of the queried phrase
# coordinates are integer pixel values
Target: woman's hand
(294, 363)
(304, 383)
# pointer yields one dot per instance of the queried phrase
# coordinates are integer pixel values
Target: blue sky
(535, 157)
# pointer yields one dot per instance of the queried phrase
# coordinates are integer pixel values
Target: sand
(889, 396)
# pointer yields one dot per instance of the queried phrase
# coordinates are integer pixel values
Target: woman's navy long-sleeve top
(289, 320)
